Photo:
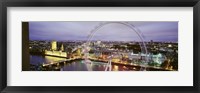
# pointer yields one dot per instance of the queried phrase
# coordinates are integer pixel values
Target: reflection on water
(75, 65)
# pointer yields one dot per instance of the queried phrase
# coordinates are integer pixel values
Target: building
(78, 51)
(56, 54)
(53, 45)
(62, 48)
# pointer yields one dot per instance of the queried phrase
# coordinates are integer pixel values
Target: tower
(62, 48)
(54, 45)
(78, 51)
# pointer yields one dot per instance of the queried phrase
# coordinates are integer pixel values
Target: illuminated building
(54, 52)
(62, 48)
(98, 42)
(169, 45)
(78, 52)
(54, 45)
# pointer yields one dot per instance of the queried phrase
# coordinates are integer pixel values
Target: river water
(75, 65)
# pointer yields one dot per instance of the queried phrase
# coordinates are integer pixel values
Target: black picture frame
(99, 3)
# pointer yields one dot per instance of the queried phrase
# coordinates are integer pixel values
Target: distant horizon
(72, 31)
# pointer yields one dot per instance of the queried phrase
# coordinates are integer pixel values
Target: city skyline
(63, 31)
(61, 46)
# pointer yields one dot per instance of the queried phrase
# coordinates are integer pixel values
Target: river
(79, 65)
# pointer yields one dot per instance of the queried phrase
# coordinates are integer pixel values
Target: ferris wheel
(134, 29)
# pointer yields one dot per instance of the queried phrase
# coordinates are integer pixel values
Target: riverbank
(52, 63)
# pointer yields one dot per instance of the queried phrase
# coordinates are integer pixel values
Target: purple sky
(152, 30)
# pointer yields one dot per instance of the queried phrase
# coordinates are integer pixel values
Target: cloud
(79, 30)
